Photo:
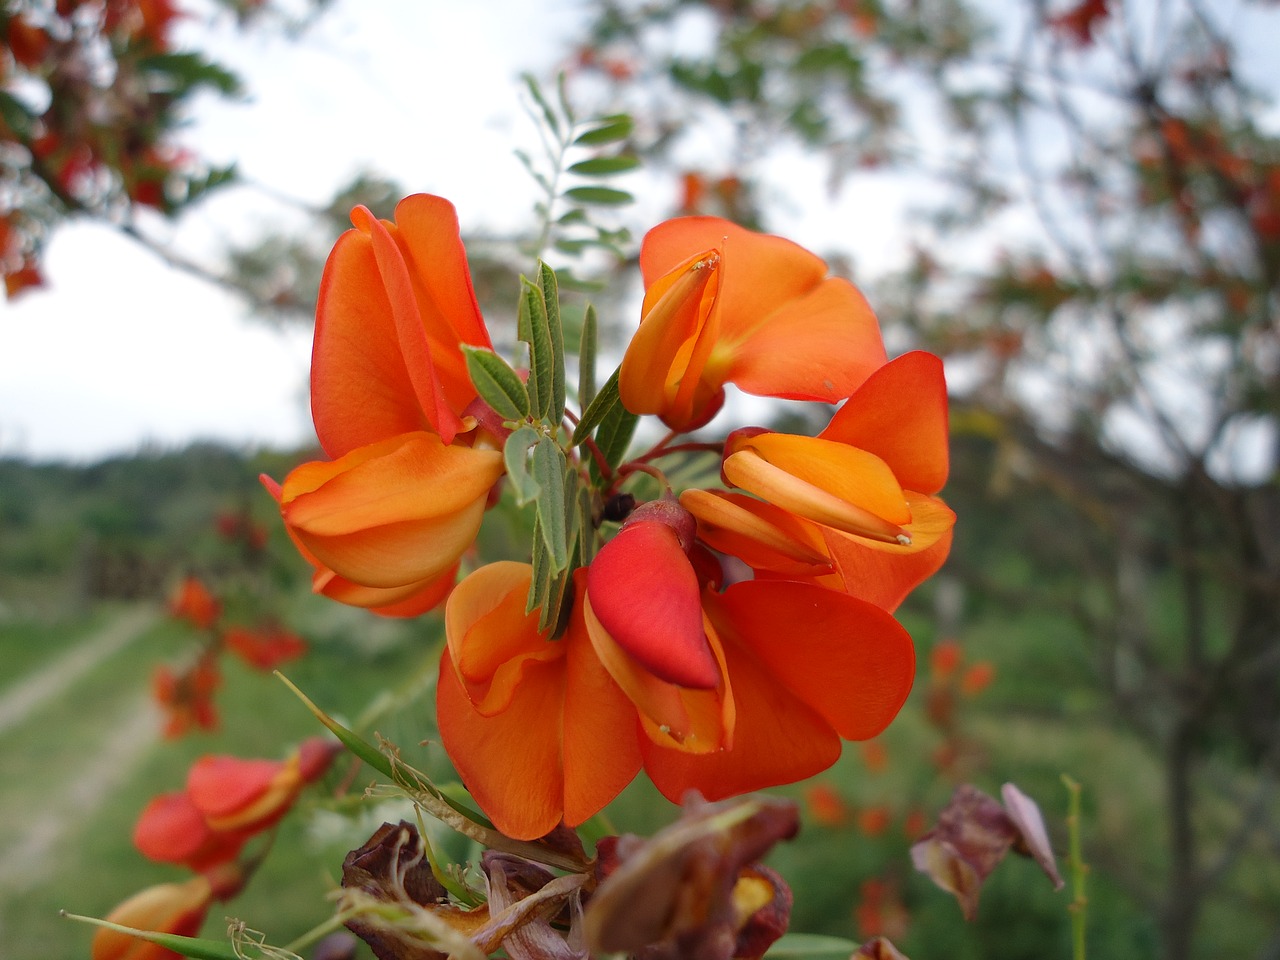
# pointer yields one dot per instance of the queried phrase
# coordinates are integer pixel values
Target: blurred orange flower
(726, 305)
(176, 908)
(192, 601)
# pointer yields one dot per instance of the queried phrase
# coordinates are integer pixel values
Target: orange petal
(658, 357)
(410, 600)
(761, 272)
(601, 747)
(821, 346)
(777, 739)
(851, 661)
(765, 537)
(177, 908)
(395, 303)
(391, 514)
(900, 415)
(884, 573)
(511, 761)
(691, 720)
(492, 641)
(645, 594)
(777, 484)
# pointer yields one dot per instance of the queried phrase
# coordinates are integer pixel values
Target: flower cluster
(204, 827)
(186, 695)
(724, 637)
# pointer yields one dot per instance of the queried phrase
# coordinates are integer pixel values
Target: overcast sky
(119, 351)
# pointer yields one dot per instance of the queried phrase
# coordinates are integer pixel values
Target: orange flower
(226, 802)
(175, 908)
(193, 602)
(537, 729)
(265, 648)
(851, 507)
(396, 303)
(726, 305)
(825, 805)
(386, 521)
(187, 699)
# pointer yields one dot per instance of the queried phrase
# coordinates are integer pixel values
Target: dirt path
(133, 732)
(26, 695)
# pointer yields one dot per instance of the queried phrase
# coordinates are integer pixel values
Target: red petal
(222, 785)
(846, 658)
(646, 595)
(777, 739)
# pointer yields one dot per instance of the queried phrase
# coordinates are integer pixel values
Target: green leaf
(610, 129)
(352, 741)
(536, 331)
(515, 454)
(187, 946)
(810, 946)
(586, 525)
(606, 166)
(15, 114)
(587, 358)
(601, 196)
(548, 114)
(498, 385)
(551, 300)
(548, 469)
(571, 217)
(186, 72)
(540, 560)
(614, 435)
(598, 408)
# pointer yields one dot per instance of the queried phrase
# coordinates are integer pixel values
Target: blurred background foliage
(1094, 247)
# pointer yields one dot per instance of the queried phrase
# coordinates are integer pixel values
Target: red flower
(226, 802)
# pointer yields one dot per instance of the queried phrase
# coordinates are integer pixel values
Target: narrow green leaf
(536, 325)
(587, 343)
(810, 946)
(495, 381)
(352, 741)
(562, 94)
(610, 129)
(555, 325)
(597, 408)
(606, 166)
(540, 560)
(571, 217)
(553, 606)
(548, 114)
(548, 469)
(515, 454)
(187, 946)
(600, 196)
(614, 434)
(586, 525)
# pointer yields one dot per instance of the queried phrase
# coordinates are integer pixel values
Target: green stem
(1079, 869)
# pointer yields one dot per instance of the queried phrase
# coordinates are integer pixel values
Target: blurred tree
(92, 96)
(1101, 267)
